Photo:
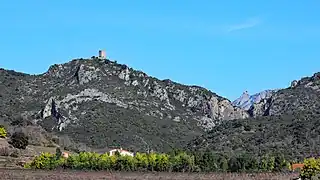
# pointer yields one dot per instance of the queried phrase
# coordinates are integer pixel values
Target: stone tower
(102, 54)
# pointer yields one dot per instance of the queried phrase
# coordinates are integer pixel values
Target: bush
(4, 151)
(311, 167)
(19, 140)
(3, 132)
(58, 153)
(46, 161)
(15, 153)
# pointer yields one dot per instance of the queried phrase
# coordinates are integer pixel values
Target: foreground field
(17, 174)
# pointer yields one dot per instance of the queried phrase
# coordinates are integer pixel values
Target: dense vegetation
(176, 161)
(294, 135)
(311, 168)
(135, 117)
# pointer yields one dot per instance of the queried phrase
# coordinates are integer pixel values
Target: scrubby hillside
(288, 122)
(99, 104)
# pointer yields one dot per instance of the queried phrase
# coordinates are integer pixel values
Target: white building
(121, 151)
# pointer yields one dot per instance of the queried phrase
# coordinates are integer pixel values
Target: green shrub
(46, 161)
(183, 162)
(58, 153)
(311, 167)
(19, 140)
(3, 132)
(142, 162)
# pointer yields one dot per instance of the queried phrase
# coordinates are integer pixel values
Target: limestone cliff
(101, 103)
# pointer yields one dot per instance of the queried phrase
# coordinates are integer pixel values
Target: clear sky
(225, 46)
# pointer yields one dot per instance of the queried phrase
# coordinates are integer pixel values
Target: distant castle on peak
(102, 54)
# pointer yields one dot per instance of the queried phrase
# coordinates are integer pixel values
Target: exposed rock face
(286, 123)
(294, 83)
(302, 95)
(261, 108)
(246, 101)
(102, 103)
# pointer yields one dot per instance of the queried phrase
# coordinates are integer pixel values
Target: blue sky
(225, 46)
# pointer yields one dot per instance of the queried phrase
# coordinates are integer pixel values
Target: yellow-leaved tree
(311, 167)
(3, 132)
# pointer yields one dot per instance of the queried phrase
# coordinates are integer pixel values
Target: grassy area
(52, 175)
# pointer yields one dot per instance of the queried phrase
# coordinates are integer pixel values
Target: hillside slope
(100, 104)
(288, 122)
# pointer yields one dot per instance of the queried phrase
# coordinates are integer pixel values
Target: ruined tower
(102, 54)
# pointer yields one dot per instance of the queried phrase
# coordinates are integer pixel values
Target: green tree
(3, 132)
(311, 167)
(234, 164)
(209, 161)
(183, 162)
(253, 164)
(105, 162)
(271, 163)
(280, 162)
(263, 165)
(46, 161)
(19, 140)
(142, 162)
(152, 159)
(125, 163)
(223, 164)
(163, 163)
(58, 153)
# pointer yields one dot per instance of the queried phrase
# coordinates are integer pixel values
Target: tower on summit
(102, 54)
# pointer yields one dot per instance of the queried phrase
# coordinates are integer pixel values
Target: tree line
(175, 161)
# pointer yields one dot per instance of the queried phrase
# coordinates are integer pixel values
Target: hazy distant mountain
(246, 101)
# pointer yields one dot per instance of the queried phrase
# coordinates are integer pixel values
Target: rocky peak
(90, 96)
(246, 101)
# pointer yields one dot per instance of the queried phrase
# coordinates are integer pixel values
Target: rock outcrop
(102, 103)
(286, 123)
(246, 101)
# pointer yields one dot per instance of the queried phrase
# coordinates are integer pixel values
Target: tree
(263, 163)
(280, 162)
(252, 164)
(19, 140)
(183, 162)
(152, 159)
(223, 164)
(58, 153)
(141, 161)
(162, 162)
(234, 164)
(209, 161)
(271, 162)
(3, 132)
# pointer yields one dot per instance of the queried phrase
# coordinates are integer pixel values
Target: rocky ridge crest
(79, 95)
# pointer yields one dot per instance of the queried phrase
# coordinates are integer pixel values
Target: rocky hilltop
(287, 122)
(99, 103)
(246, 101)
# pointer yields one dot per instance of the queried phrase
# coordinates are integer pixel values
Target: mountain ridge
(95, 102)
(246, 101)
(286, 123)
